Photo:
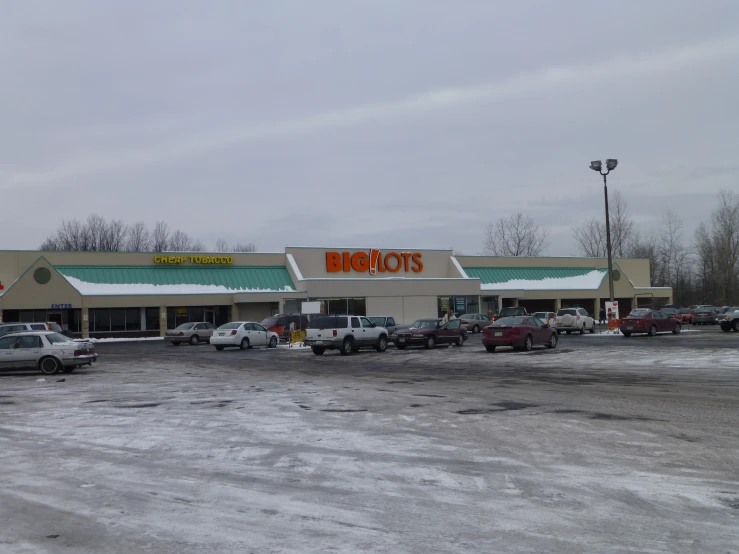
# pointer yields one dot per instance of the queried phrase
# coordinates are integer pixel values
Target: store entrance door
(56, 317)
(209, 316)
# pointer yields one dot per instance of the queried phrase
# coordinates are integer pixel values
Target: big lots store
(103, 294)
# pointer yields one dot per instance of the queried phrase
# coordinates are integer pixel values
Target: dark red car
(649, 322)
(429, 333)
(520, 332)
(687, 314)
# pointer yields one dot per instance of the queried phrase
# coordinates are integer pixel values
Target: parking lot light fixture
(597, 165)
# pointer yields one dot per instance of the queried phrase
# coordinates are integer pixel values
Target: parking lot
(604, 444)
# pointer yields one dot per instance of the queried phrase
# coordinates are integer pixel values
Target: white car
(46, 351)
(244, 335)
(574, 319)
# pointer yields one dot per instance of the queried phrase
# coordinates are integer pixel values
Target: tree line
(97, 234)
(704, 270)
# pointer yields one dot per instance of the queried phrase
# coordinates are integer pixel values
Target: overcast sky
(388, 123)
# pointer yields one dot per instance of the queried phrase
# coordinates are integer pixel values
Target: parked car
(243, 335)
(704, 315)
(46, 351)
(574, 319)
(280, 324)
(388, 322)
(513, 310)
(472, 323)
(650, 322)
(429, 333)
(190, 333)
(672, 312)
(687, 315)
(6, 328)
(729, 320)
(520, 332)
(550, 318)
(346, 333)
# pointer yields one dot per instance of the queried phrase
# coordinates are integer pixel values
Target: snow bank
(114, 289)
(589, 281)
(125, 339)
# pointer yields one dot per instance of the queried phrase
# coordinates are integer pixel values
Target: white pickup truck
(346, 333)
(574, 319)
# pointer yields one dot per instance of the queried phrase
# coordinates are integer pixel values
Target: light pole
(610, 166)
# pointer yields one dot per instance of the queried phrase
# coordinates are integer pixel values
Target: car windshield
(512, 311)
(468, 316)
(380, 321)
(669, 311)
(705, 310)
(686, 311)
(56, 338)
(425, 324)
(270, 321)
(541, 315)
(234, 325)
(639, 313)
(54, 327)
(566, 312)
(185, 326)
(508, 321)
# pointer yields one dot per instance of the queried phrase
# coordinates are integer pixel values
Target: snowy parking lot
(604, 444)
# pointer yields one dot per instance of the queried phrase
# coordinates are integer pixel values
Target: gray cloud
(385, 122)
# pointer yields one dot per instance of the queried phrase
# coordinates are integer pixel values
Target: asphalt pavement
(605, 444)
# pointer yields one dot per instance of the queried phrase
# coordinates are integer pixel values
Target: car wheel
(273, 342)
(244, 344)
(219, 348)
(381, 345)
(194, 340)
(626, 333)
(490, 348)
(552, 341)
(582, 331)
(528, 344)
(677, 329)
(347, 347)
(476, 329)
(400, 346)
(430, 342)
(318, 350)
(652, 330)
(736, 325)
(459, 341)
(48, 366)
(592, 328)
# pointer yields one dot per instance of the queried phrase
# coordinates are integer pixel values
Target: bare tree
(197, 246)
(647, 246)
(244, 247)
(222, 245)
(139, 239)
(160, 237)
(180, 242)
(518, 235)
(725, 222)
(674, 255)
(591, 236)
(114, 238)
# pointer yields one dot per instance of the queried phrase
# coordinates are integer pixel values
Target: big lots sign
(374, 262)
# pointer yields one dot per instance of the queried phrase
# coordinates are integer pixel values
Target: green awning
(97, 280)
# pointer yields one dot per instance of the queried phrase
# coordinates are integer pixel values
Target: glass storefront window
(196, 313)
(152, 319)
(342, 306)
(133, 319)
(118, 319)
(100, 320)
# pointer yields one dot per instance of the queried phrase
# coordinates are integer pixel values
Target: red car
(520, 332)
(687, 314)
(649, 322)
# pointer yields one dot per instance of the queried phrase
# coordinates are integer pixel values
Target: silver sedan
(191, 333)
(46, 351)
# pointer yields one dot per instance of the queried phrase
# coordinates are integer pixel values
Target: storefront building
(103, 294)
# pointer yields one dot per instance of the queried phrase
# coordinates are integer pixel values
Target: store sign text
(373, 262)
(61, 306)
(195, 260)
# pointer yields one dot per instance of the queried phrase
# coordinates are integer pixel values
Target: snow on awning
(529, 278)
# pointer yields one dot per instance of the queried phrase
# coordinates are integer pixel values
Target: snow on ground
(589, 281)
(125, 339)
